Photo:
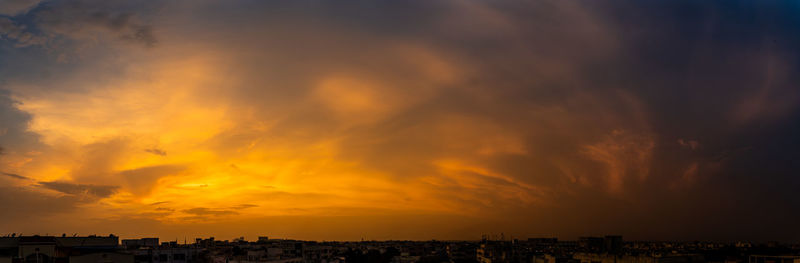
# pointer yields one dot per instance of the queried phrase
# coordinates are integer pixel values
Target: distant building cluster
(607, 249)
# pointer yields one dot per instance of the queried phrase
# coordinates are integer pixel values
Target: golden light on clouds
(181, 151)
(395, 120)
(360, 137)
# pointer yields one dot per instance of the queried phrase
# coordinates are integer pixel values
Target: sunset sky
(342, 120)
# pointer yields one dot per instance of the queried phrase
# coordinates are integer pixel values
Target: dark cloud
(691, 144)
(100, 191)
(26, 202)
(31, 207)
(76, 20)
(244, 206)
(16, 176)
(14, 134)
(156, 151)
(19, 34)
(204, 211)
(14, 7)
(81, 18)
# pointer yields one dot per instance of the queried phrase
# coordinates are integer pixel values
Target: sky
(349, 120)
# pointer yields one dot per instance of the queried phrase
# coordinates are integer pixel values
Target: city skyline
(401, 120)
(483, 238)
(605, 249)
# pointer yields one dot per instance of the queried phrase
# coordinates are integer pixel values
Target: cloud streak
(16, 176)
(100, 191)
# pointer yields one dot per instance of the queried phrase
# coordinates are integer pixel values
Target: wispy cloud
(156, 151)
(100, 191)
(16, 176)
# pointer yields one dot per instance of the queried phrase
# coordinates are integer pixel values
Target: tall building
(612, 244)
(591, 244)
(142, 242)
